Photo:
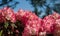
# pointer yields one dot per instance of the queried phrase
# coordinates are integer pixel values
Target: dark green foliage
(49, 8)
(7, 2)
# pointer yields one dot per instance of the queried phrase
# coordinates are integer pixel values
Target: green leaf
(6, 25)
(13, 25)
(1, 33)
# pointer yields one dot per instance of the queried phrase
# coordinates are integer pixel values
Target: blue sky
(25, 5)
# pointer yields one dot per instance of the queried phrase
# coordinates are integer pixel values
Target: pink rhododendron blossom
(32, 26)
(49, 23)
(9, 14)
(2, 18)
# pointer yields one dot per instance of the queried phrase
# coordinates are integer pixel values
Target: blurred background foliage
(9, 3)
(49, 6)
(42, 8)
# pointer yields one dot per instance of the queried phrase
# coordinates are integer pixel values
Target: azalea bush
(26, 23)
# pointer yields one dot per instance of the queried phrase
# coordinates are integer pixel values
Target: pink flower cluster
(33, 24)
(8, 14)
